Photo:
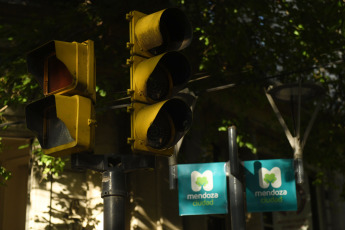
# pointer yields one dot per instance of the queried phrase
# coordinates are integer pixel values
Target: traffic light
(157, 73)
(63, 121)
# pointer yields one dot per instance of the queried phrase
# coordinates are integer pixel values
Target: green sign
(202, 188)
(270, 185)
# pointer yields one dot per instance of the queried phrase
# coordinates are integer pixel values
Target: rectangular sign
(270, 185)
(202, 188)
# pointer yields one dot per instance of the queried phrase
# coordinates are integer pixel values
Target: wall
(13, 196)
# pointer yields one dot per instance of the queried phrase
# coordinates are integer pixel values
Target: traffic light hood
(158, 78)
(162, 31)
(62, 124)
(158, 127)
(64, 68)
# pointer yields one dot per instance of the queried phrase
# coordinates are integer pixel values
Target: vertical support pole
(298, 150)
(173, 169)
(235, 185)
(299, 170)
(172, 176)
(113, 194)
(233, 152)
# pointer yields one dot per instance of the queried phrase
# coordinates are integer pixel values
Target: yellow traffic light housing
(153, 34)
(157, 73)
(66, 68)
(158, 127)
(64, 121)
(158, 78)
(62, 124)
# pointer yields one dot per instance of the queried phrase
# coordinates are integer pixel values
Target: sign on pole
(270, 185)
(202, 188)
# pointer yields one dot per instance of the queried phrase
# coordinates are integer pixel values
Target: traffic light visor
(171, 123)
(50, 71)
(160, 126)
(64, 68)
(42, 119)
(165, 30)
(157, 78)
(62, 124)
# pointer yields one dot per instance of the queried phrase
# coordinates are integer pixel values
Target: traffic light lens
(158, 84)
(41, 118)
(159, 135)
(55, 132)
(57, 77)
(178, 66)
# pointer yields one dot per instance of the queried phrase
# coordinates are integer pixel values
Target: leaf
(23, 146)
(201, 181)
(270, 178)
(220, 129)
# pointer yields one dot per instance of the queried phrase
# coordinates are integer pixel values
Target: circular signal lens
(158, 84)
(159, 135)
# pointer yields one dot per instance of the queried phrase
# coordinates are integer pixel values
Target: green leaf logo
(201, 181)
(270, 178)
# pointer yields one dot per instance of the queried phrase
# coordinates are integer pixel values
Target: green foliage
(246, 43)
(253, 43)
(16, 87)
(241, 139)
(48, 165)
(5, 175)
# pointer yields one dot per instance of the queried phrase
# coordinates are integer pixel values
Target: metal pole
(173, 167)
(233, 153)
(113, 168)
(298, 151)
(235, 185)
(113, 194)
(172, 176)
(294, 141)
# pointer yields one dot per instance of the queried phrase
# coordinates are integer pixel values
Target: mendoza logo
(202, 181)
(271, 177)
